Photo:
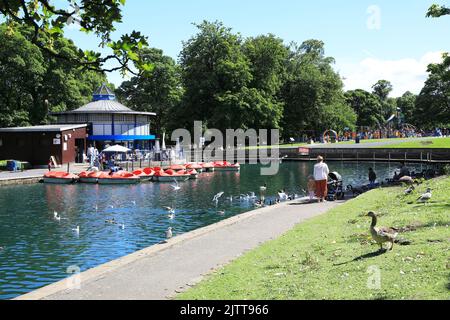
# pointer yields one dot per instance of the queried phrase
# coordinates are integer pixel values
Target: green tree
(367, 107)
(34, 82)
(407, 103)
(436, 11)
(47, 20)
(382, 89)
(218, 80)
(160, 92)
(313, 93)
(433, 102)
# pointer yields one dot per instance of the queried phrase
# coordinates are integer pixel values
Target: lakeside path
(161, 271)
(7, 177)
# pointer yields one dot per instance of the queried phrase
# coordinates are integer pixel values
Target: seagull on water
(170, 210)
(176, 186)
(56, 216)
(76, 230)
(426, 196)
(122, 226)
(169, 233)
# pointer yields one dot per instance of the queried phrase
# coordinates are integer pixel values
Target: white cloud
(405, 74)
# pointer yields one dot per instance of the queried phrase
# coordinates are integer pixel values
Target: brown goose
(382, 234)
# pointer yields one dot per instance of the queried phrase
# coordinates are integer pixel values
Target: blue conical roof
(103, 93)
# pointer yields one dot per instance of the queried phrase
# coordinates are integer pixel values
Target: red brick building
(65, 142)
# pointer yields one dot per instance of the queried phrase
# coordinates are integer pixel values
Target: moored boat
(209, 167)
(226, 166)
(89, 177)
(60, 177)
(144, 175)
(195, 166)
(121, 177)
(170, 176)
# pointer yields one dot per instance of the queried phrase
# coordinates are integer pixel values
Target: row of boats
(157, 174)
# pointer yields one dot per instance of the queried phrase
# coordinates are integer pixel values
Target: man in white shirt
(321, 172)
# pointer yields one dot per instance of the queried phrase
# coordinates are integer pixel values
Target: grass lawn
(430, 143)
(329, 257)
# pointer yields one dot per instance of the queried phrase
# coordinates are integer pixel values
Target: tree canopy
(160, 93)
(34, 82)
(47, 19)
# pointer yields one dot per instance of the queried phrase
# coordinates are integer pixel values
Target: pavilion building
(110, 122)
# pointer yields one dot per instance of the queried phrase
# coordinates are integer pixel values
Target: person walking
(321, 172)
(372, 177)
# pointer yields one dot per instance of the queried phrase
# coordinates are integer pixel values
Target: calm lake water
(37, 250)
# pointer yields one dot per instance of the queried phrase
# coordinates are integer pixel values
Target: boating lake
(36, 250)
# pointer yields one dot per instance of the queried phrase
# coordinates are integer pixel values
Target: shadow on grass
(363, 257)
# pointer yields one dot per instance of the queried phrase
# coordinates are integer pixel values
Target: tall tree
(433, 102)
(406, 103)
(217, 76)
(160, 91)
(367, 107)
(312, 91)
(34, 83)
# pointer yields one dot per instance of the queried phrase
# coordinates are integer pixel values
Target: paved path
(36, 173)
(159, 272)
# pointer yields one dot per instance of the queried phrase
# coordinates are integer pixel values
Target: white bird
(426, 196)
(96, 208)
(176, 186)
(263, 188)
(77, 230)
(122, 226)
(218, 196)
(171, 216)
(169, 233)
(111, 207)
(170, 210)
(221, 213)
(134, 203)
(56, 216)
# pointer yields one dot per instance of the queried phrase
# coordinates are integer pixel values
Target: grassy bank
(329, 257)
(432, 143)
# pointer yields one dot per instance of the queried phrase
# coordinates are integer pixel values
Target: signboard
(56, 141)
(65, 146)
(303, 151)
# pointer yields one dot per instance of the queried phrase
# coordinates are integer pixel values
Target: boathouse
(110, 122)
(65, 143)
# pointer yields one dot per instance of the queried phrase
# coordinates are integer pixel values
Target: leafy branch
(93, 16)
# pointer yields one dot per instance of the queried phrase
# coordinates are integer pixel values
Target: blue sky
(397, 44)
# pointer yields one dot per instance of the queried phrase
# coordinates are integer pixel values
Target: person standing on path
(321, 172)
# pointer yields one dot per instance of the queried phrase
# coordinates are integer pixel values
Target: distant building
(110, 122)
(103, 121)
